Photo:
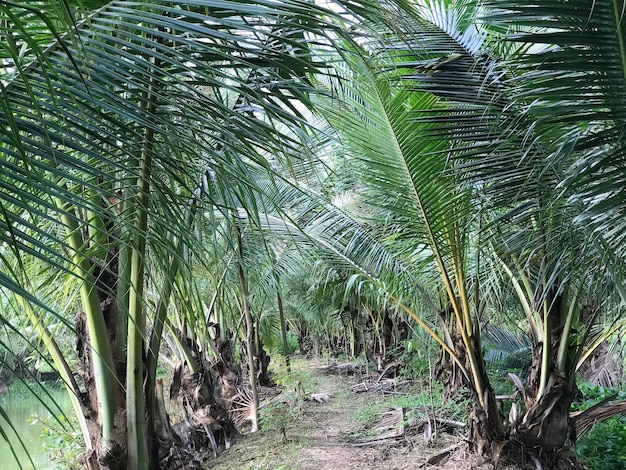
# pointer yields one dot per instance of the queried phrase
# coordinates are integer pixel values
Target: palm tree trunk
(283, 329)
(249, 328)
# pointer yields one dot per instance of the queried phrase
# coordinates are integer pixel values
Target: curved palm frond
(571, 80)
(109, 127)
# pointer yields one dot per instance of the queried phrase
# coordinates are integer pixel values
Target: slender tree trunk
(138, 457)
(123, 294)
(135, 405)
(151, 365)
(137, 439)
(387, 334)
(283, 329)
(249, 328)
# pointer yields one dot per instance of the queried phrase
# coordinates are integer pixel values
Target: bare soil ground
(322, 436)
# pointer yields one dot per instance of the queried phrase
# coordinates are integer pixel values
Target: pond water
(20, 409)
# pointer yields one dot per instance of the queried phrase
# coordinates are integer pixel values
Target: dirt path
(332, 425)
(320, 436)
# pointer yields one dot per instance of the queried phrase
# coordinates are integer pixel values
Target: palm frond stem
(135, 400)
(565, 343)
(617, 326)
(249, 324)
(61, 365)
(546, 353)
(104, 368)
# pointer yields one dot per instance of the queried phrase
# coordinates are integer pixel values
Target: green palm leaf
(110, 124)
(571, 83)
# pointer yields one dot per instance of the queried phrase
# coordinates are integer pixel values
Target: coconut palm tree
(121, 123)
(114, 120)
(458, 142)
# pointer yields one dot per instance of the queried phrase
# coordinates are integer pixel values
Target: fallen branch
(444, 454)
(386, 370)
(377, 386)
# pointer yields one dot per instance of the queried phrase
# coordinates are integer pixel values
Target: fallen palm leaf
(390, 426)
(377, 386)
(585, 420)
(343, 369)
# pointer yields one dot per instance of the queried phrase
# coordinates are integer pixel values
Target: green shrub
(292, 342)
(415, 356)
(604, 447)
(277, 417)
(590, 394)
(62, 441)
(289, 380)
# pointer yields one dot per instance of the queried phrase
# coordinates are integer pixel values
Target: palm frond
(569, 81)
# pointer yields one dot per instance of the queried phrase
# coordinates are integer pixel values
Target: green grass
(265, 465)
(425, 400)
(421, 401)
(368, 415)
(299, 373)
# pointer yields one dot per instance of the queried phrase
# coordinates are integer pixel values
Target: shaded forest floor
(345, 429)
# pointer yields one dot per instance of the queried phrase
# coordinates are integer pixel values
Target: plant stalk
(102, 355)
(283, 329)
(249, 327)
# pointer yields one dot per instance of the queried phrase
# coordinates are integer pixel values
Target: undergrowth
(422, 401)
(604, 447)
(299, 375)
(62, 441)
(279, 415)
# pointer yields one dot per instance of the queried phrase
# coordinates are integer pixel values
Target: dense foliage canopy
(177, 174)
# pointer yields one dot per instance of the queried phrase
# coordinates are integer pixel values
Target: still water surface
(19, 410)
